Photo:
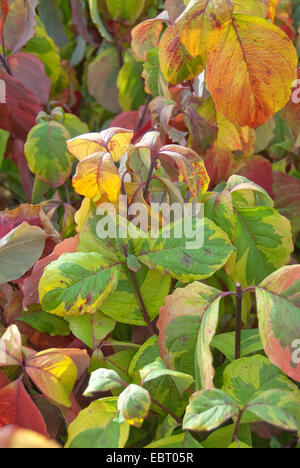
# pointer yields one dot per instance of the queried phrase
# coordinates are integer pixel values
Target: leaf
(47, 154)
(74, 125)
(11, 347)
(184, 440)
(96, 18)
(179, 325)
(19, 250)
(17, 408)
(231, 150)
(287, 198)
(4, 9)
(251, 7)
(30, 71)
(222, 438)
(103, 380)
(130, 84)
(31, 283)
(199, 20)
(97, 175)
(181, 262)
(46, 323)
(102, 77)
(250, 343)
(134, 404)
(158, 370)
(15, 118)
(12, 437)
(80, 358)
(208, 410)
(52, 17)
(20, 24)
(97, 426)
(145, 36)
(246, 378)
(91, 329)
(248, 93)
(278, 313)
(54, 375)
(259, 170)
(177, 65)
(113, 140)
(4, 136)
(77, 284)
(127, 12)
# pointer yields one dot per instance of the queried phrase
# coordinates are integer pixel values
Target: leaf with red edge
(30, 284)
(11, 347)
(54, 375)
(4, 9)
(18, 114)
(278, 309)
(145, 36)
(80, 357)
(186, 163)
(16, 407)
(20, 24)
(30, 71)
(287, 198)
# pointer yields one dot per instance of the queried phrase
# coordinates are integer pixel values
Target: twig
(238, 330)
(140, 124)
(166, 410)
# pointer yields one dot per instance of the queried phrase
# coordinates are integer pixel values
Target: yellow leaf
(250, 70)
(97, 174)
(114, 141)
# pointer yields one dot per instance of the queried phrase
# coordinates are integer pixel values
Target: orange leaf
(145, 36)
(177, 65)
(250, 70)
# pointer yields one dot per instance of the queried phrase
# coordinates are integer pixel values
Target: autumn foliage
(133, 340)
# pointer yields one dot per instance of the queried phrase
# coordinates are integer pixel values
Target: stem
(166, 410)
(149, 98)
(3, 59)
(238, 330)
(67, 193)
(151, 170)
(237, 427)
(142, 304)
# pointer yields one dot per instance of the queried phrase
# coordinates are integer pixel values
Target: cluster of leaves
(134, 341)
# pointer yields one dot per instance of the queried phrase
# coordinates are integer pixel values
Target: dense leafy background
(135, 342)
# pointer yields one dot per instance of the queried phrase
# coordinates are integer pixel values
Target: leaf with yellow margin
(250, 70)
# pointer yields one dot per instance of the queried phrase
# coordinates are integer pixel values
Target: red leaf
(28, 69)
(259, 170)
(4, 9)
(20, 24)
(81, 23)
(16, 407)
(11, 302)
(18, 157)
(4, 381)
(18, 114)
(30, 284)
(287, 198)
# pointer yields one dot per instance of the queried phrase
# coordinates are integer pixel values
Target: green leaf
(222, 438)
(127, 12)
(98, 426)
(147, 353)
(180, 324)
(91, 329)
(103, 380)
(19, 250)
(4, 136)
(47, 154)
(77, 284)
(177, 257)
(278, 308)
(46, 323)
(74, 125)
(250, 343)
(93, 4)
(134, 404)
(208, 410)
(248, 377)
(184, 440)
(130, 83)
(158, 370)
